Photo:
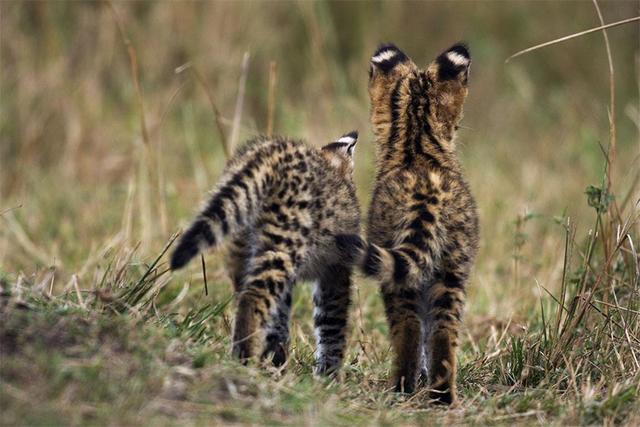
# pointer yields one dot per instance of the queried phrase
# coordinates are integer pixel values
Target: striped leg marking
(331, 300)
(445, 307)
(403, 311)
(277, 334)
(269, 278)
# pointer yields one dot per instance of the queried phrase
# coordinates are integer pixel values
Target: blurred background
(96, 152)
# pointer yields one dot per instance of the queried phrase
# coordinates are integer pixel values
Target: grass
(125, 353)
(101, 161)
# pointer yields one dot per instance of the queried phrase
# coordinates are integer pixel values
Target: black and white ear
(385, 58)
(454, 63)
(348, 142)
(340, 152)
(344, 146)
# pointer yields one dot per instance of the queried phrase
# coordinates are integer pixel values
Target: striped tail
(233, 205)
(398, 265)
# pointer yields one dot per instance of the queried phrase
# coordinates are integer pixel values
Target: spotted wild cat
(282, 203)
(422, 234)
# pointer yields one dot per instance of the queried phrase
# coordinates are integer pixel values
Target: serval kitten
(423, 224)
(282, 203)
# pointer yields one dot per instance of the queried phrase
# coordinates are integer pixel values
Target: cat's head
(432, 95)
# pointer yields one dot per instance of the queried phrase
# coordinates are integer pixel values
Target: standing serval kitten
(423, 224)
(283, 203)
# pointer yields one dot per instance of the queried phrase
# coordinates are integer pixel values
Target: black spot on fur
(216, 211)
(445, 302)
(452, 281)
(400, 268)
(427, 216)
(328, 320)
(416, 238)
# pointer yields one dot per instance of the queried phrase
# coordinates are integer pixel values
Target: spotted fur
(282, 203)
(423, 225)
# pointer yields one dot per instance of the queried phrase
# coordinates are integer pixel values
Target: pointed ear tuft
(353, 140)
(349, 138)
(454, 63)
(386, 57)
(345, 145)
(348, 142)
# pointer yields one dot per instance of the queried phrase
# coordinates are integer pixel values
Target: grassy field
(113, 119)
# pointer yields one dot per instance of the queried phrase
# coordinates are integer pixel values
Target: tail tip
(349, 246)
(186, 250)
(190, 244)
(180, 257)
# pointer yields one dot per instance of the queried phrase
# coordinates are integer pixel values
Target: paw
(405, 384)
(442, 396)
(241, 350)
(278, 355)
(325, 367)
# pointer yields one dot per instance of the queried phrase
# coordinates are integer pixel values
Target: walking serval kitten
(423, 224)
(282, 203)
